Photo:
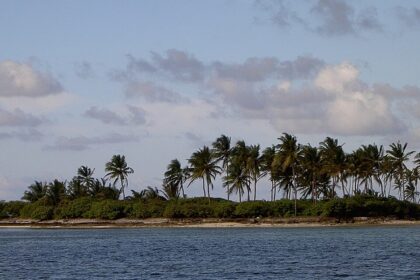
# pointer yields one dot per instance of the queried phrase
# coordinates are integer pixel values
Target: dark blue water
(247, 253)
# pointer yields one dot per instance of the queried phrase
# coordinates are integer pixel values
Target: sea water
(206, 253)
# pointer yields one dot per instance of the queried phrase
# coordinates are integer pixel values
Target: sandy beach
(204, 223)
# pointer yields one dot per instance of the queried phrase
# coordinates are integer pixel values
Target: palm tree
(411, 178)
(76, 189)
(203, 165)
(237, 178)
(398, 157)
(333, 161)
(170, 191)
(222, 152)
(149, 193)
(117, 169)
(85, 176)
(287, 158)
(36, 191)
(253, 165)
(175, 176)
(267, 167)
(310, 169)
(239, 157)
(56, 192)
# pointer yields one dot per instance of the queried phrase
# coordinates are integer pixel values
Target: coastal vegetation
(372, 181)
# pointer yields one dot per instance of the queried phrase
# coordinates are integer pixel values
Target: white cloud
(334, 78)
(362, 113)
(19, 79)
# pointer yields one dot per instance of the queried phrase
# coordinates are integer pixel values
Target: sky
(155, 80)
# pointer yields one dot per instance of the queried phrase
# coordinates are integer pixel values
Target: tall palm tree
(267, 167)
(398, 157)
(204, 166)
(222, 152)
(237, 179)
(117, 169)
(411, 179)
(35, 191)
(287, 157)
(175, 176)
(253, 165)
(333, 161)
(310, 169)
(239, 157)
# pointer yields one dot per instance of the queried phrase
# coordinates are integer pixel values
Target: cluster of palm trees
(292, 169)
(84, 184)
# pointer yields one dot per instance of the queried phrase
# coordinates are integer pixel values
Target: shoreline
(299, 222)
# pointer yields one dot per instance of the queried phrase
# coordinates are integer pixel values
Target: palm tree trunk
(255, 189)
(122, 188)
(274, 192)
(227, 185)
(295, 190)
(204, 189)
(208, 191)
(182, 189)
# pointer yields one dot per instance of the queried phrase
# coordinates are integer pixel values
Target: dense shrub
(11, 209)
(74, 209)
(284, 208)
(147, 209)
(189, 208)
(224, 209)
(335, 208)
(38, 210)
(107, 209)
(253, 209)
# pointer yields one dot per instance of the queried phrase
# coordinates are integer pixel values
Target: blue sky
(156, 80)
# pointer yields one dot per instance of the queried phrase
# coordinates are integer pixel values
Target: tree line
(294, 171)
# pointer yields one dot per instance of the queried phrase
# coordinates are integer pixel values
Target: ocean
(371, 252)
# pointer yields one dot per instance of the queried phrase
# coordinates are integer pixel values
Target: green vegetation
(311, 181)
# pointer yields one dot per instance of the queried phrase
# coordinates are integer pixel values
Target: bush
(283, 208)
(335, 208)
(253, 209)
(37, 210)
(107, 209)
(149, 209)
(11, 209)
(74, 209)
(224, 209)
(188, 208)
